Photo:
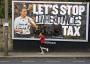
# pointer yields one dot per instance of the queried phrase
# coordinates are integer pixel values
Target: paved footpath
(50, 54)
(45, 61)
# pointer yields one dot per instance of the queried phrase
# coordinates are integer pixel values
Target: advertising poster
(58, 21)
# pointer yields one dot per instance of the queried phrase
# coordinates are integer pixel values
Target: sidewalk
(51, 54)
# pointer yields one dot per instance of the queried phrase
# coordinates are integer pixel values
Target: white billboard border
(73, 40)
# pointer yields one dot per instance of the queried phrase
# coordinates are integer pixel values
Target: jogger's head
(40, 34)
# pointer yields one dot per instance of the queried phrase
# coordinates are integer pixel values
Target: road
(45, 61)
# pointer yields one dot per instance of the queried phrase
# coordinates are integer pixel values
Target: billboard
(58, 21)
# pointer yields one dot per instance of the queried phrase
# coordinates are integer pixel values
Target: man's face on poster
(24, 12)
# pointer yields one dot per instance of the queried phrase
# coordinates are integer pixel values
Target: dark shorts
(43, 44)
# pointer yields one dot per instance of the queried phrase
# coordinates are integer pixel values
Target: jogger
(42, 43)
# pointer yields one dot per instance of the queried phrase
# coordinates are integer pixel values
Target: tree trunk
(1, 24)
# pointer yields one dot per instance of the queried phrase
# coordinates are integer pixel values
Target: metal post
(6, 29)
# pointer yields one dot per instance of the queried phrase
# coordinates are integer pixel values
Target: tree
(2, 9)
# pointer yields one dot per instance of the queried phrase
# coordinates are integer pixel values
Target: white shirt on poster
(23, 23)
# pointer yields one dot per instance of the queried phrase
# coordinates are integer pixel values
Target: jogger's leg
(45, 49)
(42, 52)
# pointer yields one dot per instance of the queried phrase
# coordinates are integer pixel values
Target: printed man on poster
(22, 24)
